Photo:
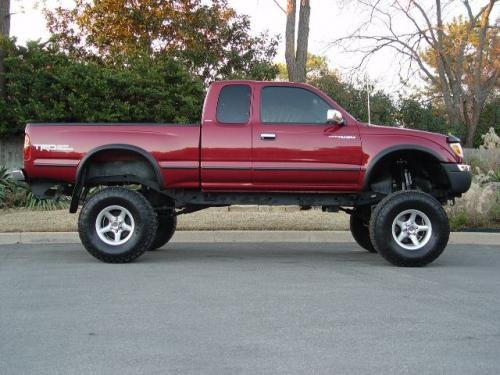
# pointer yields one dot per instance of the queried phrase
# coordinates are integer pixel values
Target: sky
(330, 19)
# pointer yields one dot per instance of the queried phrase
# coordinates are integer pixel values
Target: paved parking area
(248, 308)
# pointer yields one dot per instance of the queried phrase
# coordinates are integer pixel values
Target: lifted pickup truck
(267, 143)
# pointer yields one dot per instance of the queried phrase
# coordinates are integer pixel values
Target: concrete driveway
(248, 308)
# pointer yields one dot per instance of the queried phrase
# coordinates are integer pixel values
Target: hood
(394, 130)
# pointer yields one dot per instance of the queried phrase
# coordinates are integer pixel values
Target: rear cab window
(233, 106)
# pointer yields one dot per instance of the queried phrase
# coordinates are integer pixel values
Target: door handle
(267, 136)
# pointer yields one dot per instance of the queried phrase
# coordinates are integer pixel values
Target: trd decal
(47, 147)
(342, 136)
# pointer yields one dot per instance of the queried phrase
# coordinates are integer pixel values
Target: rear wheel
(166, 229)
(361, 233)
(116, 225)
(409, 228)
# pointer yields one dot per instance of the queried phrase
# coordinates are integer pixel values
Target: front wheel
(116, 225)
(409, 228)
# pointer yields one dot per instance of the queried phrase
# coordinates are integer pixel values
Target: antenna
(368, 99)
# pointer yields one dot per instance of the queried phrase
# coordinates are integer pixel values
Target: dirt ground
(258, 218)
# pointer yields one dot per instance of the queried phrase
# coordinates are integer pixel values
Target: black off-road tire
(386, 212)
(166, 229)
(360, 230)
(145, 224)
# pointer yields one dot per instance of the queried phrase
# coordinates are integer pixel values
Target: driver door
(294, 149)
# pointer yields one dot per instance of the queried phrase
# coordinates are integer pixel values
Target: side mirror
(334, 117)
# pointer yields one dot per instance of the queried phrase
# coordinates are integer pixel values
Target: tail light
(27, 147)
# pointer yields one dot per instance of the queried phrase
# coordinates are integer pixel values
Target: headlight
(457, 149)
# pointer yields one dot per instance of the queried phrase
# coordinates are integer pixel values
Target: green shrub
(45, 85)
(480, 206)
(15, 195)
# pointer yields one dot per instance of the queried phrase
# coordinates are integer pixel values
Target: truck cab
(269, 136)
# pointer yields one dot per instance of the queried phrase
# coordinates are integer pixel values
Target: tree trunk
(4, 32)
(470, 134)
(290, 39)
(296, 60)
(302, 41)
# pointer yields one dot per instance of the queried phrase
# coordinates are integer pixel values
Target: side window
(234, 104)
(292, 105)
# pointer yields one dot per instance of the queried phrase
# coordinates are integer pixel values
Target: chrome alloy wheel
(115, 225)
(411, 229)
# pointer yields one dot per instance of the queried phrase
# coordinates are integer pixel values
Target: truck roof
(261, 83)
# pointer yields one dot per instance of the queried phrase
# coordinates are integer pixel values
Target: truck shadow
(245, 253)
(283, 253)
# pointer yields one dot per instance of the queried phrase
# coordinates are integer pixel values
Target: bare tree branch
(279, 6)
(464, 70)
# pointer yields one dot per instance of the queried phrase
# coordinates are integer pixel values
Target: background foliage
(211, 39)
(45, 85)
(410, 112)
(15, 194)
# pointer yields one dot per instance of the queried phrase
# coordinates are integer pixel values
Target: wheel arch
(393, 151)
(155, 179)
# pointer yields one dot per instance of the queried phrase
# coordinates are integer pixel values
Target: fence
(11, 152)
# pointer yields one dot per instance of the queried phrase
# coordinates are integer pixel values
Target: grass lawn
(22, 220)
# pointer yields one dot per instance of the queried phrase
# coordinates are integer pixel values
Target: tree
(352, 97)
(316, 67)
(296, 56)
(4, 33)
(474, 88)
(460, 61)
(213, 40)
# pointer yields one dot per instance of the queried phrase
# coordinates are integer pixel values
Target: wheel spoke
(127, 227)
(400, 223)
(106, 229)
(118, 236)
(109, 216)
(412, 218)
(414, 239)
(402, 236)
(422, 228)
(122, 215)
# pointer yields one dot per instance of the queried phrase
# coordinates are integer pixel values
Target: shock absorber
(407, 179)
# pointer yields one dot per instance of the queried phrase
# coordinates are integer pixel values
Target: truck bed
(59, 148)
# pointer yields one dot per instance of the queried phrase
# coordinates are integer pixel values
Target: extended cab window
(292, 105)
(234, 104)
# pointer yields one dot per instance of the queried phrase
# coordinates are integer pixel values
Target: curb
(24, 238)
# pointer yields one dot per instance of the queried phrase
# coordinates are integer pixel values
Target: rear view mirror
(334, 117)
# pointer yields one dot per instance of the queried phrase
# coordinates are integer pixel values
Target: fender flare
(390, 150)
(80, 172)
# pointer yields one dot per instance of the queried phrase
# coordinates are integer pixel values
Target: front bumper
(459, 176)
(18, 175)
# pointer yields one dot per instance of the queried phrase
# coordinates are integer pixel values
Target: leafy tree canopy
(316, 66)
(212, 40)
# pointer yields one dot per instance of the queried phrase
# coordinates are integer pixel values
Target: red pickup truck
(264, 143)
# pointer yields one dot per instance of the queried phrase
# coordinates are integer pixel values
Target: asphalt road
(248, 308)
